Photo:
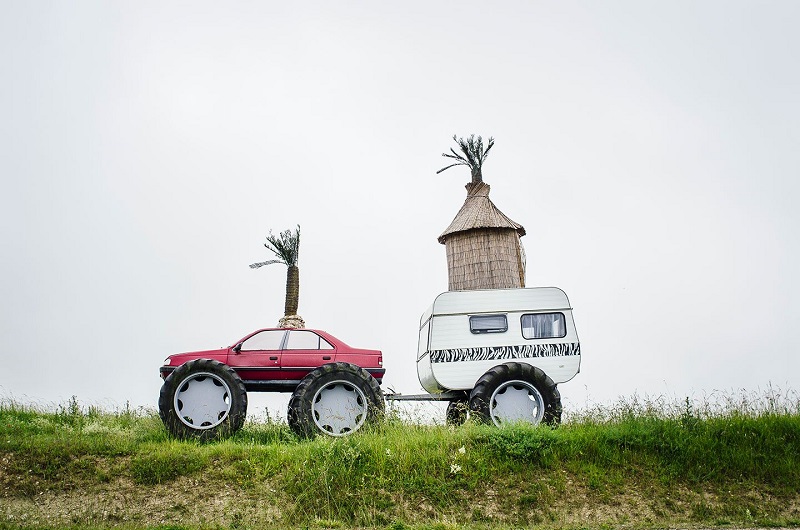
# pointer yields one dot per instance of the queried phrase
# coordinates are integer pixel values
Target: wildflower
(388, 452)
(462, 450)
(454, 468)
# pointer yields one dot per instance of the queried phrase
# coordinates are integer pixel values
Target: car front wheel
(203, 399)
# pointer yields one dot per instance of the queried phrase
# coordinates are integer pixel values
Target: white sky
(649, 148)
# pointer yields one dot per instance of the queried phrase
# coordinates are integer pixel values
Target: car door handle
(326, 358)
(273, 358)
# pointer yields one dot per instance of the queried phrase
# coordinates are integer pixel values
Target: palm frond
(455, 156)
(263, 263)
(467, 146)
(488, 147)
(451, 165)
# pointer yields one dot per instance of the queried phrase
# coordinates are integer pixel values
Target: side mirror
(237, 348)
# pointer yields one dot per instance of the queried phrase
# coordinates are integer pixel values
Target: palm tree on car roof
(286, 246)
(473, 156)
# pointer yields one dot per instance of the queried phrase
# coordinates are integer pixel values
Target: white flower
(388, 452)
(462, 450)
(455, 468)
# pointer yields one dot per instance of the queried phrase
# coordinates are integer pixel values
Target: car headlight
(168, 361)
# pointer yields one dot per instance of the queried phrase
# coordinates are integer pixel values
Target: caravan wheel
(457, 412)
(515, 392)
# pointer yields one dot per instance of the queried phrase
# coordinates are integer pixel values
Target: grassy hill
(637, 464)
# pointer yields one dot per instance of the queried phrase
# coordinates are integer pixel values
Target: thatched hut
(483, 245)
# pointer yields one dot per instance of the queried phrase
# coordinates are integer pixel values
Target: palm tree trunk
(477, 176)
(292, 290)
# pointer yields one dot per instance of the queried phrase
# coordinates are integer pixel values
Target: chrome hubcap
(516, 401)
(339, 408)
(203, 401)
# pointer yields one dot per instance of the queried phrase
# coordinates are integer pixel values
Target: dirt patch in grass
(563, 502)
(185, 502)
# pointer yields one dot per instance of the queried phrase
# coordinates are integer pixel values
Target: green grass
(639, 463)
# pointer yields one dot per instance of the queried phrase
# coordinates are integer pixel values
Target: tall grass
(673, 456)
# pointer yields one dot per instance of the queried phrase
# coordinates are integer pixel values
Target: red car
(335, 388)
(277, 359)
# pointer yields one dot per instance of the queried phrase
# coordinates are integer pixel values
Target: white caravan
(499, 353)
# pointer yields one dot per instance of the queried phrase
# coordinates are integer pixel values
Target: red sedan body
(276, 359)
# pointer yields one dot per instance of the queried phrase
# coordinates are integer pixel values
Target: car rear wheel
(203, 399)
(336, 399)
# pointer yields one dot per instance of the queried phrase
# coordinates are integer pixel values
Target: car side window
(306, 340)
(264, 340)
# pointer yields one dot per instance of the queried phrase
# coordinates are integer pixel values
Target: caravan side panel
(451, 357)
(424, 368)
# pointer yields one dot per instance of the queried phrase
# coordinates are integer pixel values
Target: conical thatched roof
(479, 212)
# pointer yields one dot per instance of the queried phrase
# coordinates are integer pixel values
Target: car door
(259, 356)
(303, 351)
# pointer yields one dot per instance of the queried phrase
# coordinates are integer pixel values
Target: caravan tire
(457, 412)
(515, 392)
(336, 399)
(204, 400)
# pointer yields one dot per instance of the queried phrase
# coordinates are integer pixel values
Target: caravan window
(488, 324)
(544, 326)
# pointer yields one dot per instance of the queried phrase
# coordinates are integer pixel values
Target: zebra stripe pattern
(505, 352)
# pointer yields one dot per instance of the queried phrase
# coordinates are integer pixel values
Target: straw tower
(483, 245)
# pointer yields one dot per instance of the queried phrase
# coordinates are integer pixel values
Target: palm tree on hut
(483, 245)
(286, 247)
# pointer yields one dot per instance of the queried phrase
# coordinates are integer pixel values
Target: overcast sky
(650, 149)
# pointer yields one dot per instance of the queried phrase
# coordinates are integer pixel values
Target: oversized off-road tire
(335, 399)
(457, 412)
(515, 392)
(203, 399)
